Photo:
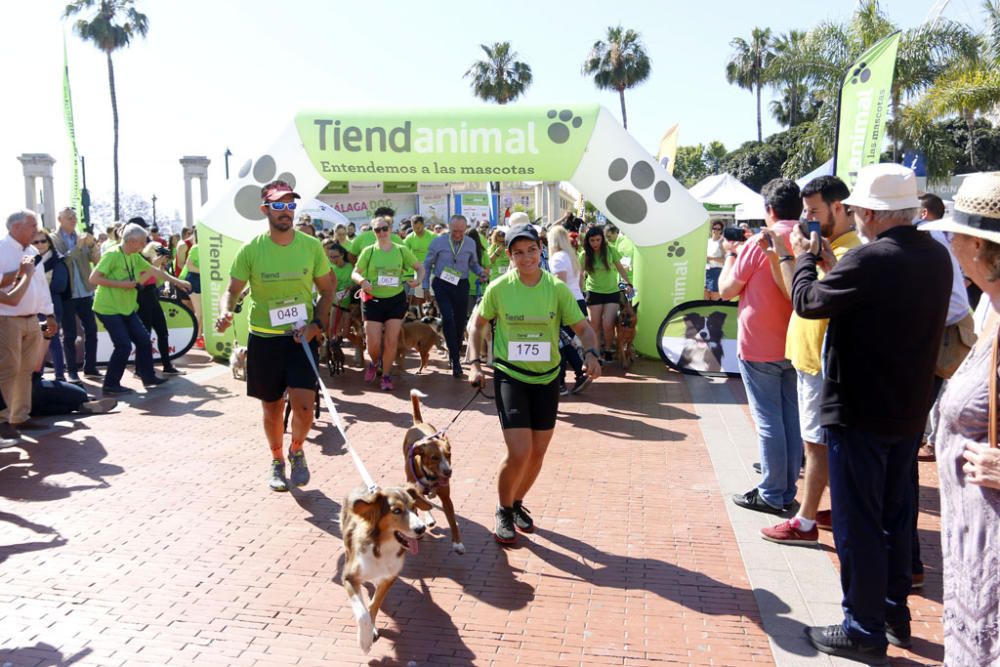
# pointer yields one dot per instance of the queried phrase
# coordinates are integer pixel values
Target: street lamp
(154, 209)
(226, 155)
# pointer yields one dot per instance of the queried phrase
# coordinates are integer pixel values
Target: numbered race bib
(528, 344)
(340, 296)
(288, 311)
(387, 280)
(450, 276)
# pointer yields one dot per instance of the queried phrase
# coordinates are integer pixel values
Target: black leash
(479, 390)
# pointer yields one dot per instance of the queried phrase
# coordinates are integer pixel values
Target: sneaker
(899, 635)
(789, 532)
(97, 407)
(278, 481)
(751, 500)
(8, 431)
(200, 343)
(824, 519)
(387, 383)
(75, 379)
(116, 391)
(581, 383)
(563, 390)
(153, 382)
(522, 518)
(92, 373)
(370, 373)
(917, 580)
(170, 370)
(300, 471)
(832, 640)
(504, 532)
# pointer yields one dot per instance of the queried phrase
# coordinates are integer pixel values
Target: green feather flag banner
(74, 193)
(864, 109)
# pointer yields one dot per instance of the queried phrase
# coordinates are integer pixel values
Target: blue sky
(214, 74)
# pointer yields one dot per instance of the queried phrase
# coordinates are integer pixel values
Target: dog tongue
(412, 545)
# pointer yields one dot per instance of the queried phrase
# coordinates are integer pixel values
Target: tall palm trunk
(114, 115)
(970, 122)
(621, 98)
(760, 134)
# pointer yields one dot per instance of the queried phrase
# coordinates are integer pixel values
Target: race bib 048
(287, 312)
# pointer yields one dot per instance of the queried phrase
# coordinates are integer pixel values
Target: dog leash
(332, 409)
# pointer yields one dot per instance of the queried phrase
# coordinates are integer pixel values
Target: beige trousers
(21, 347)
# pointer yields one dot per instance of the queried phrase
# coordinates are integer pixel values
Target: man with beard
(282, 266)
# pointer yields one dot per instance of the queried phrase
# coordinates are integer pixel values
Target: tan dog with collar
(427, 457)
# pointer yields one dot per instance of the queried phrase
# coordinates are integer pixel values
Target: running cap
(522, 231)
(275, 190)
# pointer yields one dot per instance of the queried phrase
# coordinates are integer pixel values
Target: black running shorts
(524, 405)
(382, 310)
(599, 299)
(277, 363)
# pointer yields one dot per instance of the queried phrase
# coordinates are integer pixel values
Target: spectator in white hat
(886, 301)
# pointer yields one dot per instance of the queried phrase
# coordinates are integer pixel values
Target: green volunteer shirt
(626, 249)
(344, 284)
(418, 245)
(526, 336)
(116, 265)
(194, 255)
(281, 277)
(386, 270)
(501, 264)
(603, 279)
(366, 239)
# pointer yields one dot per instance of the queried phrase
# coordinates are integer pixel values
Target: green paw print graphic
(675, 249)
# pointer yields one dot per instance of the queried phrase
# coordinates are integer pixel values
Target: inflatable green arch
(584, 145)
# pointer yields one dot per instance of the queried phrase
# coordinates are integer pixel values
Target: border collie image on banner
(703, 342)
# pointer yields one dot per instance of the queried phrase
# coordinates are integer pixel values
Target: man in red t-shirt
(768, 376)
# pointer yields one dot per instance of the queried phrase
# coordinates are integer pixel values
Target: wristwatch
(592, 351)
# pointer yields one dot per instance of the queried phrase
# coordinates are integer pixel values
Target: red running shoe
(788, 532)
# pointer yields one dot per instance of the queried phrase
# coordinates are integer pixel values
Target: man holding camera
(82, 254)
(767, 374)
(21, 340)
(886, 302)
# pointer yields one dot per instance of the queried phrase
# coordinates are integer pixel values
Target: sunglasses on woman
(40, 242)
(381, 229)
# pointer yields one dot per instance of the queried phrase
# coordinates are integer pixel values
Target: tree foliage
(618, 62)
(499, 77)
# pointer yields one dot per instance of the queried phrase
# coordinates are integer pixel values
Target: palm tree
(110, 25)
(618, 63)
(499, 77)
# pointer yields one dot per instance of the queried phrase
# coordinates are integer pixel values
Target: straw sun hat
(977, 209)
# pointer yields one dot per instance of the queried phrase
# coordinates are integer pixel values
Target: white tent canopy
(723, 190)
(825, 169)
(318, 210)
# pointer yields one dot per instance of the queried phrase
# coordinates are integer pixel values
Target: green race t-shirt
(500, 264)
(418, 245)
(368, 238)
(386, 271)
(281, 278)
(344, 284)
(626, 249)
(116, 265)
(526, 337)
(603, 279)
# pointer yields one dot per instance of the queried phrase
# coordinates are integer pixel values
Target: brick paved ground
(149, 536)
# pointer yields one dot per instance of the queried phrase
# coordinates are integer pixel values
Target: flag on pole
(863, 110)
(668, 150)
(74, 192)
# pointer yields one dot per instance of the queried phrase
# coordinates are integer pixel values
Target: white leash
(332, 409)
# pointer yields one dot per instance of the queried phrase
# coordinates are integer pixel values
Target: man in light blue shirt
(450, 259)
(81, 253)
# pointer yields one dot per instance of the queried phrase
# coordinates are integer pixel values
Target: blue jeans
(771, 388)
(874, 501)
(453, 303)
(125, 331)
(79, 308)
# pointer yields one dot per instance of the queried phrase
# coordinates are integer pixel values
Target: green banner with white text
(865, 96)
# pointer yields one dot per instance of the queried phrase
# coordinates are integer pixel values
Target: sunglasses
(281, 206)
(381, 229)
(40, 242)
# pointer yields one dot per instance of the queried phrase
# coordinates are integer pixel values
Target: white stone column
(39, 165)
(195, 166)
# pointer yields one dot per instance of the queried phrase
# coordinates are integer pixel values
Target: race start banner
(584, 145)
(864, 109)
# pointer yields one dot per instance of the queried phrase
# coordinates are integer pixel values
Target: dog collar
(427, 484)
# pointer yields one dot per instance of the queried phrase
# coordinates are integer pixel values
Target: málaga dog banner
(584, 145)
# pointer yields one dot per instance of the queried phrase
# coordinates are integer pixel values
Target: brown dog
(427, 455)
(416, 335)
(379, 528)
(628, 318)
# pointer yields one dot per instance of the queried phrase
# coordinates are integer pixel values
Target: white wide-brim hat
(885, 187)
(977, 209)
